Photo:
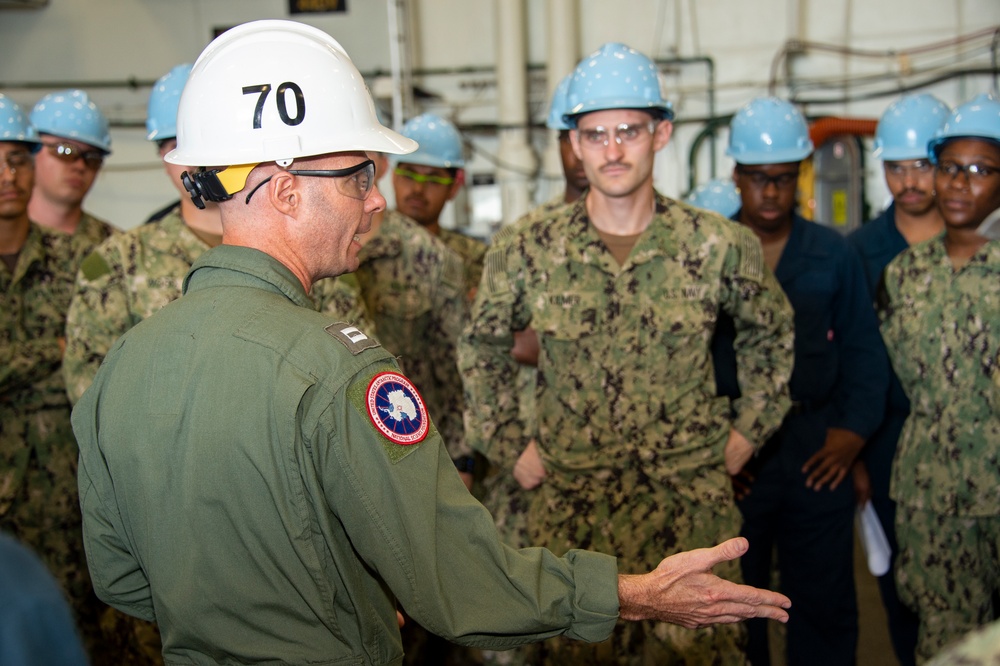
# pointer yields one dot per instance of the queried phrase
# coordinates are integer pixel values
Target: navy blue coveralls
(840, 380)
(877, 243)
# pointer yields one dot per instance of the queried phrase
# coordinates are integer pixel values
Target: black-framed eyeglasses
(356, 182)
(761, 180)
(971, 171)
(16, 160)
(67, 152)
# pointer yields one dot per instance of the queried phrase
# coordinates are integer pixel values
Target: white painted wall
(87, 43)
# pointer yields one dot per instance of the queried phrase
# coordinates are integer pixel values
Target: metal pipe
(512, 110)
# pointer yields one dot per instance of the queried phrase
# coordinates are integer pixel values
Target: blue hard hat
(768, 130)
(440, 143)
(907, 125)
(719, 195)
(977, 119)
(615, 77)
(69, 114)
(558, 107)
(164, 99)
(14, 125)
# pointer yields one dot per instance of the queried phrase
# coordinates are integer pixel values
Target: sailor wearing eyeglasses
(76, 138)
(426, 180)
(901, 138)
(623, 288)
(797, 495)
(940, 311)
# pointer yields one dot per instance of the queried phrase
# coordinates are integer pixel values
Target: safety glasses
(423, 178)
(355, 181)
(67, 152)
(972, 172)
(624, 134)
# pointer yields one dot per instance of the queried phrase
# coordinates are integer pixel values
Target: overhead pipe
(823, 129)
(563, 51)
(512, 107)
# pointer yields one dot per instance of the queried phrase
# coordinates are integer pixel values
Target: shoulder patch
(94, 266)
(396, 409)
(497, 281)
(751, 257)
(351, 337)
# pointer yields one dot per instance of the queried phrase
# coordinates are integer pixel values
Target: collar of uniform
(231, 265)
(659, 239)
(170, 235)
(31, 252)
(987, 257)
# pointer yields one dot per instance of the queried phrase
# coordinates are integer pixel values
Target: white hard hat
(273, 91)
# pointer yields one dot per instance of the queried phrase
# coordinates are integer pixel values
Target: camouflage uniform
(503, 496)
(134, 274)
(472, 251)
(39, 504)
(412, 286)
(942, 330)
(978, 648)
(629, 427)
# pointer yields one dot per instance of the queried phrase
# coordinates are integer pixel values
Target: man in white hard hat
(265, 484)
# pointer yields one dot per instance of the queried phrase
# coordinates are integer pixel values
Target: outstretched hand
(683, 590)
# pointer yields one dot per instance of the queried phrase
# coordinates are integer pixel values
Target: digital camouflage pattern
(39, 504)
(628, 423)
(947, 571)
(978, 648)
(134, 274)
(412, 285)
(502, 495)
(942, 329)
(472, 252)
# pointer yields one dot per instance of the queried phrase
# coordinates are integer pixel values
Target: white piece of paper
(990, 228)
(873, 540)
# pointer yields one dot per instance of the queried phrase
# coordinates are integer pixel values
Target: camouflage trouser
(641, 521)
(948, 571)
(42, 511)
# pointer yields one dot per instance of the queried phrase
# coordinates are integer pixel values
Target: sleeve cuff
(596, 595)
